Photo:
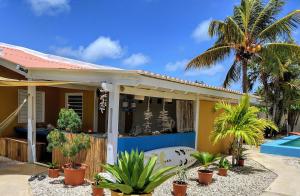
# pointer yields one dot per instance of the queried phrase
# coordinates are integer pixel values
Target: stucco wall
(207, 116)
(54, 100)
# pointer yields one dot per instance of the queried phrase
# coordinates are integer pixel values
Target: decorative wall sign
(147, 117)
(102, 94)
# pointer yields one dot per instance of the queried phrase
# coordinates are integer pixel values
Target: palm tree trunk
(245, 77)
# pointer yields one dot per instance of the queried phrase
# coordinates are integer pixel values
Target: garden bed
(252, 179)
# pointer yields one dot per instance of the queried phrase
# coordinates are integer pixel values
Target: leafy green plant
(132, 176)
(206, 159)
(97, 179)
(241, 123)
(53, 165)
(181, 175)
(68, 120)
(242, 154)
(224, 163)
(70, 147)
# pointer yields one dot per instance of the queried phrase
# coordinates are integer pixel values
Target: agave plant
(205, 158)
(132, 176)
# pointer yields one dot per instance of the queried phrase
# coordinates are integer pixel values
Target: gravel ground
(252, 179)
(56, 187)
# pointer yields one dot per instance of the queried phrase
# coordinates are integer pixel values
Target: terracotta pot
(205, 176)
(98, 191)
(53, 173)
(74, 177)
(179, 189)
(241, 162)
(222, 172)
(114, 193)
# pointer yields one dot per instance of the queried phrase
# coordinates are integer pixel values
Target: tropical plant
(241, 123)
(280, 90)
(68, 120)
(181, 175)
(97, 179)
(224, 163)
(70, 147)
(205, 158)
(132, 176)
(52, 165)
(253, 31)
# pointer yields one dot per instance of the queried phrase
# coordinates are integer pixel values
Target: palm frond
(210, 57)
(266, 16)
(233, 74)
(282, 27)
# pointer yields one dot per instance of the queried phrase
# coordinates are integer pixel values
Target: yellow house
(121, 109)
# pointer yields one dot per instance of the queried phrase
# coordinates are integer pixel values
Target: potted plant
(131, 176)
(53, 170)
(241, 123)
(242, 157)
(68, 120)
(206, 159)
(97, 191)
(180, 185)
(223, 166)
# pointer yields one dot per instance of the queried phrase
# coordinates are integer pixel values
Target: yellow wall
(54, 100)
(207, 116)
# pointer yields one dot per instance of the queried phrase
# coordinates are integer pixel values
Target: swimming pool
(287, 146)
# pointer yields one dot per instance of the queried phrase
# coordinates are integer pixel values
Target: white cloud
(212, 71)
(49, 7)
(136, 60)
(200, 34)
(178, 65)
(103, 47)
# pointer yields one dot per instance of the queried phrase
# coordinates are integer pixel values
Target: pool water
(293, 143)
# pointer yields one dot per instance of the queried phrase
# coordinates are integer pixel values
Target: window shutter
(75, 101)
(40, 106)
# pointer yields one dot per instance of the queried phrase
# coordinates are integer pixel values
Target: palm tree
(241, 123)
(252, 30)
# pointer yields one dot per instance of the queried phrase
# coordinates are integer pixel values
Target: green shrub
(133, 176)
(70, 147)
(224, 163)
(68, 120)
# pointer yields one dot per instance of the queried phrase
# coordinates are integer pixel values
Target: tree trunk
(245, 77)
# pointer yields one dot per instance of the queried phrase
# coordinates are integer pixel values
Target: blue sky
(154, 35)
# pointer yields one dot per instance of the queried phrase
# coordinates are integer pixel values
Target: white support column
(196, 119)
(31, 134)
(113, 124)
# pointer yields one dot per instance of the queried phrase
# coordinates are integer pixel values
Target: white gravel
(250, 180)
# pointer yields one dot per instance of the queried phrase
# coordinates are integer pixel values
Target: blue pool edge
(276, 148)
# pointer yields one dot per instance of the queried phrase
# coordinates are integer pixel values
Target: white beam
(156, 93)
(31, 126)
(196, 120)
(113, 123)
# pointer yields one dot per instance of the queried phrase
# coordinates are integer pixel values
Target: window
(75, 101)
(40, 106)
